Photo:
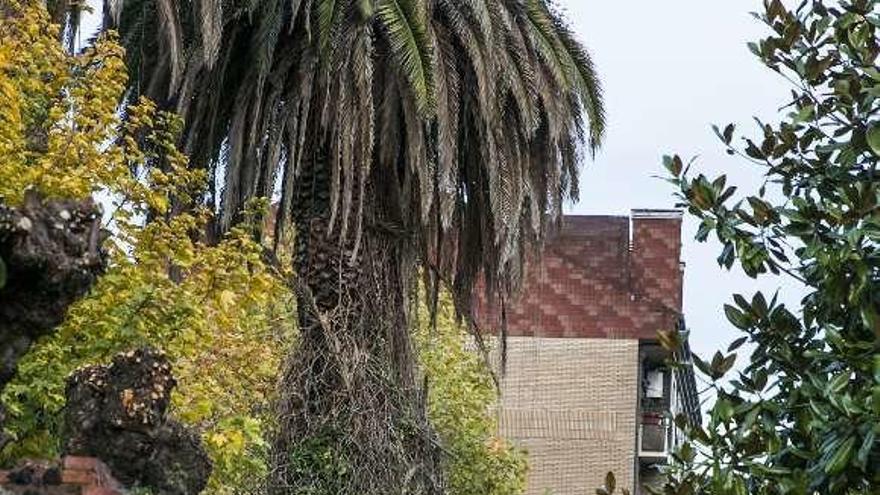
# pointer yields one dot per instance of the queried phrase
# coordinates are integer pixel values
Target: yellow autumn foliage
(223, 324)
(221, 317)
(461, 406)
(224, 317)
(58, 111)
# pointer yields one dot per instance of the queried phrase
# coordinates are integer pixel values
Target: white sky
(670, 70)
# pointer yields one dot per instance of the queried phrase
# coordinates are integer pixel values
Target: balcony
(654, 437)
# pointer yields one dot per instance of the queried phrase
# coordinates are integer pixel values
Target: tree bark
(352, 417)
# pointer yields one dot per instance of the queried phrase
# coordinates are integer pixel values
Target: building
(587, 388)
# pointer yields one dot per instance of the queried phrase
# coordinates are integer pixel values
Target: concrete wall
(572, 404)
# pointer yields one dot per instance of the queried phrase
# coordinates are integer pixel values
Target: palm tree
(405, 136)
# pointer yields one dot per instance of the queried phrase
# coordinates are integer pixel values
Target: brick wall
(572, 404)
(72, 476)
(570, 392)
(600, 278)
(656, 254)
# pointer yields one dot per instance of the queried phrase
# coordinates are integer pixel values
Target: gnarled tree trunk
(51, 255)
(352, 417)
(119, 414)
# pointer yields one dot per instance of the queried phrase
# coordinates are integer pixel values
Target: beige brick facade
(572, 404)
(580, 335)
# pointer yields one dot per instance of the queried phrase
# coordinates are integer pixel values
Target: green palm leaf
(405, 22)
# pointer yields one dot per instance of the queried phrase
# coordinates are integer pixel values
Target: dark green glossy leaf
(728, 133)
(736, 344)
(865, 449)
(873, 138)
(841, 457)
(736, 317)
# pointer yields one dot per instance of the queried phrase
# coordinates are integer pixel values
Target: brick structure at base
(72, 476)
(571, 404)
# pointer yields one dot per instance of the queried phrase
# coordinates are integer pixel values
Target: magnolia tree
(803, 415)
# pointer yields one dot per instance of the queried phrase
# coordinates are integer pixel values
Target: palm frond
(457, 121)
(405, 22)
(587, 83)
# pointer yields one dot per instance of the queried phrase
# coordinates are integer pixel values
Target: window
(654, 384)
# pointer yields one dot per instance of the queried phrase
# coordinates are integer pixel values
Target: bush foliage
(217, 310)
(461, 398)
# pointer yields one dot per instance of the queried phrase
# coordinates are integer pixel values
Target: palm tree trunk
(352, 418)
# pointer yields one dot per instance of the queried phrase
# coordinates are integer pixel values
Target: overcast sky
(670, 70)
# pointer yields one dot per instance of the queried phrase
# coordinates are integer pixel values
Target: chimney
(656, 257)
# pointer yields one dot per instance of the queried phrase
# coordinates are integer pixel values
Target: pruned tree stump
(119, 413)
(50, 255)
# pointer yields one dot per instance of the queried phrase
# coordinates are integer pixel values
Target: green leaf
(865, 450)
(702, 365)
(610, 482)
(870, 318)
(838, 383)
(717, 359)
(875, 399)
(877, 369)
(727, 256)
(673, 164)
(736, 344)
(841, 457)
(721, 364)
(724, 409)
(760, 379)
(365, 9)
(328, 16)
(804, 114)
(759, 305)
(3, 273)
(407, 26)
(727, 363)
(873, 138)
(728, 133)
(736, 317)
(750, 419)
(873, 73)
(761, 208)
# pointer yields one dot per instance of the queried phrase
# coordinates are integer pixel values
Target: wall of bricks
(571, 403)
(656, 256)
(600, 278)
(571, 388)
(71, 476)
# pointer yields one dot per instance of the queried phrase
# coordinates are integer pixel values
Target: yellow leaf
(227, 299)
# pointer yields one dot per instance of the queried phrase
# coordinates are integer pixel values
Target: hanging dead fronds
(480, 106)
